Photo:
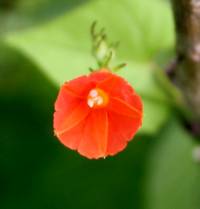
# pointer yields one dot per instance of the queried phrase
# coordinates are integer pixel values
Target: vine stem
(187, 72)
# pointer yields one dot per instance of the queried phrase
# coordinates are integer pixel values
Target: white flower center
(95, 99)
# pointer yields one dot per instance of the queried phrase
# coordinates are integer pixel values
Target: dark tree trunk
(187, 72)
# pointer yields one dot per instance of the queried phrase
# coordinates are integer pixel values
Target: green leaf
(172, 175)
(37, 171)
(61, 48)
(19, 14)
(18, 77)
(138, 29)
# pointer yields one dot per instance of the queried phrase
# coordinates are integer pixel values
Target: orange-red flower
(97, 114)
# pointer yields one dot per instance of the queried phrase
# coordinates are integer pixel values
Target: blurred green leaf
(18, 77)
(136, 27)
(19, 14)
(37, 171)
(172, 175)
(61, 48)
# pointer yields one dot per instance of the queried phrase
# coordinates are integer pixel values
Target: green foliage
(43, 44)
(172, 180)
(61, 48)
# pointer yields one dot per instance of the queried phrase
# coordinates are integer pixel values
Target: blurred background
(44, 43)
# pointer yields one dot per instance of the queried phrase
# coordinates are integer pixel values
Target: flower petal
(110, 82)
(80, 85)
(95, 135)
(71, 95)
(71, 120)
(72, 137)
(98, 77)
(121, 130)
(66, 100)
(116, 85)
(121, 107)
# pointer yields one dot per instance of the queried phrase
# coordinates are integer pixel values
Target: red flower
(97, 114)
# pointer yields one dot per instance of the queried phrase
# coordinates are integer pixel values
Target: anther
(97, 98)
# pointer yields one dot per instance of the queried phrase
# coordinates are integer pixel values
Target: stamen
(93, 93)
(97, 98)
(90, 103)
